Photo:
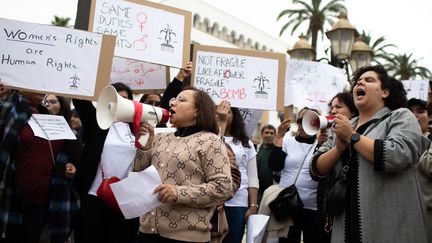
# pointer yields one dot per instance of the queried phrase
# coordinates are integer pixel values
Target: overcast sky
(403, 22)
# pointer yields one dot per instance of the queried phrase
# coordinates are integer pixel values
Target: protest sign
(416, 89)
(51, 127)
(140, 76)
(246, 78)
(51, 59)
(145, 31)
(312, 84)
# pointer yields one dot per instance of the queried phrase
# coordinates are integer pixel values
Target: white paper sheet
(54, 126)
(256, 226)
(135, 195)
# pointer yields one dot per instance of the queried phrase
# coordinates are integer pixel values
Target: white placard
(144, 31)
(312, 84)
(246, 79)
(139, 75)
(51, 127)
(49, 58)
(250, 118)
(256, 227)
(416, 89)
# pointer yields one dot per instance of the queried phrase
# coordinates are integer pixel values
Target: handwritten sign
(251, 118)
(248, 79)
(139, 76)
(51, 127)
(145, 30)
(312, 84)
(54, 59)
(416, 89)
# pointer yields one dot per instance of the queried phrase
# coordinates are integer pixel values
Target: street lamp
(361, 55)
(344, 50)
(302, 50)
(341, 38)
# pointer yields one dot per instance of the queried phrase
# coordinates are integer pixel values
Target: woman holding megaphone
(194, 169)
(376, 154)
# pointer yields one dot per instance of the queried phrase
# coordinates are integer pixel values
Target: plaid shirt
(14, 114)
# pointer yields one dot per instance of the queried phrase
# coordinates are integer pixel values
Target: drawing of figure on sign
(261, 93)
(74, 81)
(168, 34)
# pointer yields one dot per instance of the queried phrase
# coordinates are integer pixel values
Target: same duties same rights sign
(246, 78)
(145, 31)
(51, 59)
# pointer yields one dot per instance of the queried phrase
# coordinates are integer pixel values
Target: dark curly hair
(397, 97)
(347, 99)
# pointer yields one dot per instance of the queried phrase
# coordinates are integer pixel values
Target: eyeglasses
(177, 99)
(50, 102)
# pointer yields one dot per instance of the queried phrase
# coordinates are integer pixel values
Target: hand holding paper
(135, 194)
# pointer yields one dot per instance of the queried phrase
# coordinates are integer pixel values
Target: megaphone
(111, 107)
(313, 122)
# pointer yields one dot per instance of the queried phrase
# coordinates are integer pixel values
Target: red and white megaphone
(312, 122)
(111, 107)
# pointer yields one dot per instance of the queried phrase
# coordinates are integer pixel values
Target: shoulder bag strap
(301, 166)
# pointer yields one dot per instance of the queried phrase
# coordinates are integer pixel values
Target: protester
(379, 148)
(424, 170)
(265, 174)
(245, 201)
(35, 174)
(194, 169)
(341, 103)
(287, 156)
(151, 99)
(110, 152)
(76, 125)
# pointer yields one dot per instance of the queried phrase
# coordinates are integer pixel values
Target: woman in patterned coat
(194, 169)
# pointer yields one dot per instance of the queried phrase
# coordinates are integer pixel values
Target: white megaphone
(111, 107)
(312, 122)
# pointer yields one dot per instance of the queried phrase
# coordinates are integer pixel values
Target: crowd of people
(378, 148)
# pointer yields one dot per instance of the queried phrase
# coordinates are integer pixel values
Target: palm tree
(378, 47)
(316, 15)
(405, 67)
(60, 21)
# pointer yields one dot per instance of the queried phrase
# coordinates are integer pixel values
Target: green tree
(406, 67)
(314, 14)
(378, 47)
(60, 21)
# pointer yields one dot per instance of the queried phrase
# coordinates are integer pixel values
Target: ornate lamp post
(302, 50)
(343, 47)
(361, 55)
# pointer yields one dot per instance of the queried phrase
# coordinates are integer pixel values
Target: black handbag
(335, 198)
(288, 201)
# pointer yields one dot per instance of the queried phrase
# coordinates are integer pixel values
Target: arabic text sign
(53, 59)
(312, 84)
(145, 31)
(138, 75)
(247, 79)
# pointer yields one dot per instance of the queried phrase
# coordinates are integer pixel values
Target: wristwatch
(355, 138)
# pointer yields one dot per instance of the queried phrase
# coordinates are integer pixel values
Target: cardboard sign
(145, 30)
(247, 79)
(51, 127)
(140, 76)
(312, 84)
(57, 60)
(251, 118)
(416, 89)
